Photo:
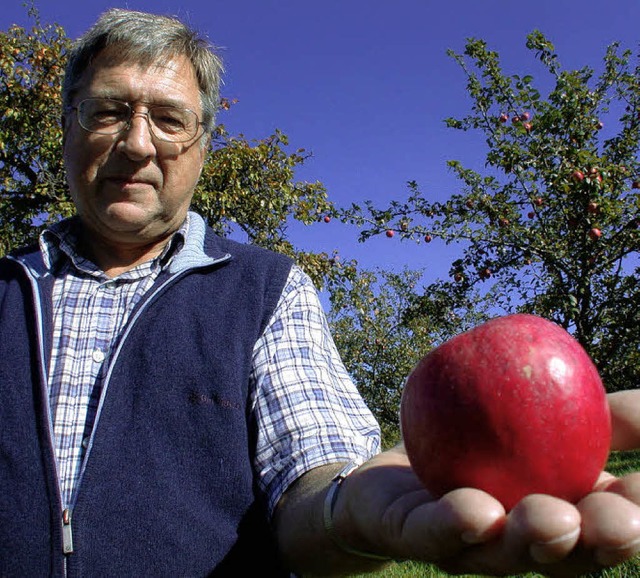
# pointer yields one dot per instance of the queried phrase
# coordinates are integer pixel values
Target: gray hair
(147, 39)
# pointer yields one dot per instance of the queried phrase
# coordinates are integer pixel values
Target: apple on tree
(513, 407)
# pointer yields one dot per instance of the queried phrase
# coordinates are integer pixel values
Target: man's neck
(115, 259)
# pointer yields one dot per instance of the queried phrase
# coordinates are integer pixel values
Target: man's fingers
(539, 532)
(438, 529)
(627, 486)
(611, 524)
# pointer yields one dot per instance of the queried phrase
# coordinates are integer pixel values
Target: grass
(620, 463)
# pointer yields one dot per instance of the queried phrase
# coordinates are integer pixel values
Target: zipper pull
(67, 536)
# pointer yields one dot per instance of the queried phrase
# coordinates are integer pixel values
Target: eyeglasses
(109, 116)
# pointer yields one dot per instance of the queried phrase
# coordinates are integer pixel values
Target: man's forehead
(112, 57)
(171, 81)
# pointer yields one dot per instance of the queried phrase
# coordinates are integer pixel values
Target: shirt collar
(59, 245)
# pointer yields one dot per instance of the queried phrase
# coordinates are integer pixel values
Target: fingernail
(554, 550)
(616, 555)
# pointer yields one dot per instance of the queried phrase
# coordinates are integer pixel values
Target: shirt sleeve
(309, 412)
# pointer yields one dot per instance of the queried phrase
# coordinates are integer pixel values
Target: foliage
(378, 348)
(552, 224)
(249, 189)
(381, 338)
(31, 174)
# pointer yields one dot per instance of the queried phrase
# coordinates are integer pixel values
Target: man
(172, 403)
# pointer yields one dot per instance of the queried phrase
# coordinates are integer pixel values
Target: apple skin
(513, 407)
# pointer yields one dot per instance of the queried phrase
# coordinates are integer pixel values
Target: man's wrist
(329, 503)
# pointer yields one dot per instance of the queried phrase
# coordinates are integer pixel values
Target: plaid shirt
(308, 411)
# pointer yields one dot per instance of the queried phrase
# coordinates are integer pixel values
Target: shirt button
(98, 356)
(85, 442)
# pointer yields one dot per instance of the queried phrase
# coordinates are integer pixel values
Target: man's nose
(137, 139)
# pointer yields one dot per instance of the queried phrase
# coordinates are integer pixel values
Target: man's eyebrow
(163, 101)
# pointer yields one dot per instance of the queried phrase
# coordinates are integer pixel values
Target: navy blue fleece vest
(168, 488)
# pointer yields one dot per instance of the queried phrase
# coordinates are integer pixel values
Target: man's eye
(168, 119)
(108, 115)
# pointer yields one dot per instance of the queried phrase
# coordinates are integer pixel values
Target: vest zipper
(67, 534)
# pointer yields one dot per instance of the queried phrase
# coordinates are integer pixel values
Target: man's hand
(383, 508)
(468, 531)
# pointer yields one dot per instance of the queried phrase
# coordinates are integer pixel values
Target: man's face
(130, 188)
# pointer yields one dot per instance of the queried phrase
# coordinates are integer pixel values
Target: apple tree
(551, 224)
(380, 337)
(32, 187)
(248, 188)
(378, 347)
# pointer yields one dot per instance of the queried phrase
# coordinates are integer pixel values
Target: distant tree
(378, 347)
(32, 183)
(380, 337)
(248, 188)
(551, 226)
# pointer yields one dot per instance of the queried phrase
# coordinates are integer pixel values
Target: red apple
(428, 238)
(503, 118)
(389, 233)
(525, 116)
(531, 214)
(513, 407)
(527, 126)
(577, 175)
(595, 233)
(538, 201)
(327, 219)
(593, 208)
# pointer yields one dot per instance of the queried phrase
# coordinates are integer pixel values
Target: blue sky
(365, 85)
